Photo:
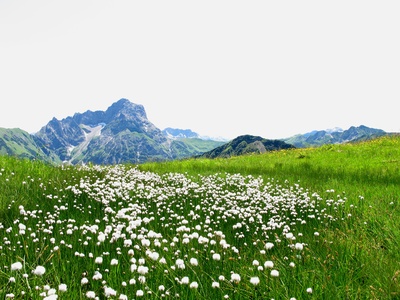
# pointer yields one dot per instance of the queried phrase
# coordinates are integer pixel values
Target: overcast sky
(220, 68)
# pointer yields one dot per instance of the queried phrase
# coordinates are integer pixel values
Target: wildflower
(289, 236)
(185, 280)
(91, 295)
(269, 245)
(292, 265)
(298, 246)
(97, 275)
(98, 260)
(16, 266)
(114, 262)
(139, 293)
(254, 280)
(109, 292)
(161, 288)
(142, 279)
(62, 287)
(194, 285)
(143, 270)
(12, 280)
(180, 263)
(216, 256)
(39, 271)
(11, 296)
(275, 273)
(84, 281)
(215, 284)
(268, 264)
(51, 292)
(101, 237)
(309, 290)
(154, 256)
(194, 262)
(235, 278)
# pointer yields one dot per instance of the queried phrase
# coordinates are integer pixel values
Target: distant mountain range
(123, 134)
(334, 136)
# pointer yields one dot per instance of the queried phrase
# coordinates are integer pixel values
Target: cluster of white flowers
(143, 225)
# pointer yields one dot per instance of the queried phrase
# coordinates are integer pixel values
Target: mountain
(334, 136)
(246, 144)
(19, 143)
(121, 134)
(175, 133)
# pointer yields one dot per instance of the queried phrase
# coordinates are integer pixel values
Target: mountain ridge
(123, 134)
(320, 137)
(246, 144)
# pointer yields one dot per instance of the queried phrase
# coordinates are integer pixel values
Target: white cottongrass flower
(10, 296)
(101, 237)
(98, 260)
(12, 280)
(51, 292)
(269, 245)
(139, 293)
(254, 280)
(275, 273)
(180, 263)
(269, 264)
(84, 281)
(114, 262)
(194, 262)
(39, 270)
(16, 266)
(142, 270)
(298, 246)
(309, 290)
(97, 275)
(109, 292)
(216, 256)
(215, 285)
(185, 280)
(62, 287)
(90, 295)
(194, 285)
(235, 278)
(289, 236)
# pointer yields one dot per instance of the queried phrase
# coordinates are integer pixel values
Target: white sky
(220, 68)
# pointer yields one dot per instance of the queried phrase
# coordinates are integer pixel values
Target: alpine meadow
(311, 223)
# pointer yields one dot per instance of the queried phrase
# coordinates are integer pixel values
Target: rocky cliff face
(120, 134)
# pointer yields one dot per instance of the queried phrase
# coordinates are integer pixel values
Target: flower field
(119, 232)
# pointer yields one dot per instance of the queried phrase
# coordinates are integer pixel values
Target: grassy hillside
(366, 174)
(296, 224)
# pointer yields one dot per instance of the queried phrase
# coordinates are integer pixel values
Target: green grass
(353, 191)
(368, 169)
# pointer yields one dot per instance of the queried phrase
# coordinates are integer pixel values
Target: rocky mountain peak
(125, 109)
